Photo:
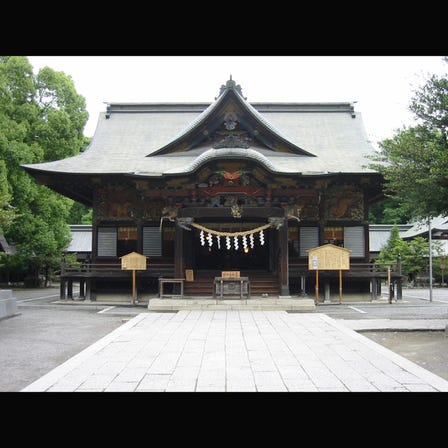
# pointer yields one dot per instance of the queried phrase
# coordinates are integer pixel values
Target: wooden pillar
(82, 289)
(284, 264)
(374, 289)
(178, 252)
(340, 286)
(399, 280)
(62, 286)
(88, 294)
(94, 241)
(399, 289)
(327, 291)
(70, 289)
(303, 285)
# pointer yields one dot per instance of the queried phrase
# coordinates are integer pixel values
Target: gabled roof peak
(230, 85)
(230, 122)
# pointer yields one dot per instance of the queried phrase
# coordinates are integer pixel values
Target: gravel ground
(429, 349)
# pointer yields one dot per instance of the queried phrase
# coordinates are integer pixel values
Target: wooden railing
(111, 269)
(376, 273)
(300, 267)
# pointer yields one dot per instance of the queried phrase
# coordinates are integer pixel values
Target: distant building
(5, 247)
(380, 233)
(439, 231)
(81, 241)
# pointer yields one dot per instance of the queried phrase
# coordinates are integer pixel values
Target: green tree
(414, 253)
(388, 211)
(394, 247)
(440, 268)
(414, 162)
(7, 211)
(80, 214)
(41, 119)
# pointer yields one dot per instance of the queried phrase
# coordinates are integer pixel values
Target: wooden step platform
(260, 283)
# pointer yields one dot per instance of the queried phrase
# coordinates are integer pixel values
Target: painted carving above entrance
(344, 202)
(115, 203)
(232, 185)
(118, 203)
(234, 176)
(306, 208)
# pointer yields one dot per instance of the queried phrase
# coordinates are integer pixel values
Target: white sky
(381, 85)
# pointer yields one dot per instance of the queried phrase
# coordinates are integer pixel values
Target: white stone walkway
(237, 351)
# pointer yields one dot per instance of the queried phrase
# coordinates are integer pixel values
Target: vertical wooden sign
(135, 262)
(328, 258)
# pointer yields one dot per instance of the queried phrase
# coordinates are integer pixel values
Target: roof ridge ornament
(233, 141)
(230, 85)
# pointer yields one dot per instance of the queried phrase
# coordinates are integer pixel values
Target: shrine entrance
(209, 240)
(238, 254)
(244, 247)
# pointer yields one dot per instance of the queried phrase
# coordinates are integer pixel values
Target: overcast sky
(382, 86)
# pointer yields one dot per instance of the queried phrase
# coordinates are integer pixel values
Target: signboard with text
(328, 258)
(133, 261)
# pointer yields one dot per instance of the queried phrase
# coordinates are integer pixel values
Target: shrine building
(223, 186)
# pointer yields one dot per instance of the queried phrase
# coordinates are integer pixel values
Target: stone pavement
(237, 351)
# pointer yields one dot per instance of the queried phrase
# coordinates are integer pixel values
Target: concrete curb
(396, 324)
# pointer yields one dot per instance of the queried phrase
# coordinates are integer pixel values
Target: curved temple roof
(158, 139)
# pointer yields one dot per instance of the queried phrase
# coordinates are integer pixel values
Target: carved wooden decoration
(116, 203)
(344, 202)
(309, 208)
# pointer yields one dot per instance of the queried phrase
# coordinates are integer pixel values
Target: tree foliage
(414, 253)
(42, 118)
(414, 162)
(7, 211)
(80, 214)
(388, 211)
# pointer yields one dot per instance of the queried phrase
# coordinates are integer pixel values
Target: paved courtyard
(237, 351)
